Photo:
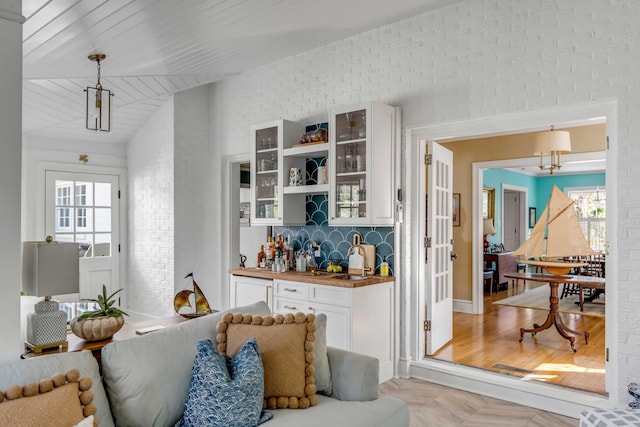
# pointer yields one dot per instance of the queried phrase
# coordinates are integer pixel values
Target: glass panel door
(83, 208)
(266, 186)
(351, 165)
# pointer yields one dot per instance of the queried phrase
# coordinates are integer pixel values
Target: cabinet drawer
(287, 305)
(330, 295)
(294, 290)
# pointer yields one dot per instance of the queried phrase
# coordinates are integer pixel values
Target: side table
(128, 331)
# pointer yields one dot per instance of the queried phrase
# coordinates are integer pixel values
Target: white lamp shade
(50, 268)
(553, 140)
(487, 227)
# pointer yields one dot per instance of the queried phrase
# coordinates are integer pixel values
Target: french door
(437, 276)
(84, 208)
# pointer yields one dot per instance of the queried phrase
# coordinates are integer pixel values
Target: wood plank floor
(433, 405)
(490, 341)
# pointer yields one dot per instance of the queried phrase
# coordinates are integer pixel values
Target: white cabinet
(358, 319)
(361, 163)
(269, 206)
(249, 290)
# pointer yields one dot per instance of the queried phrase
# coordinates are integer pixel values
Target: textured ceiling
(158, 47)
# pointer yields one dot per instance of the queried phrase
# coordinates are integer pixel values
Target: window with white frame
(591, 209)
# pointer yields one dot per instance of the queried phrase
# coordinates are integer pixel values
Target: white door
(84, 208)
(437, 280)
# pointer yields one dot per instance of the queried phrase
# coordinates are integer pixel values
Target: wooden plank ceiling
(155, 48)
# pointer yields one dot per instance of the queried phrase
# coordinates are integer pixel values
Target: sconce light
(552, 143)
(98, 107)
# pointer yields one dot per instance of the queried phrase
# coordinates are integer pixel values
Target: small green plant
(105, 304)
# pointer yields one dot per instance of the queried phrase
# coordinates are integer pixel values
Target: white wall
(193, 202)
(10, 178)
(39, 151)
(473, 59)
(150, 163)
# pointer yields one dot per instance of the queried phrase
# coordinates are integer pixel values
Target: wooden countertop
(322, 277)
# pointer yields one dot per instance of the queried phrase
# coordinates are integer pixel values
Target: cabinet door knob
(288, 307)
(290, 290)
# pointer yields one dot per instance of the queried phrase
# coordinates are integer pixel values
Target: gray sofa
(145, 380)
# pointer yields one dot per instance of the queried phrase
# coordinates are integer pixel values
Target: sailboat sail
(182, 299)
(557, 235)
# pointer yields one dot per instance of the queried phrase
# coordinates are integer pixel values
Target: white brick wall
(150, 158)
(473, 59)
(194, 178)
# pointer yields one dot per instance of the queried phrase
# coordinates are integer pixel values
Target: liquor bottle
(262, 257)
(287, 249)
(272, 248)
(269, 254)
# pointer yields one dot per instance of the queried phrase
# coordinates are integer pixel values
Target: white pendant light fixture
(551, 143)
(98, 108)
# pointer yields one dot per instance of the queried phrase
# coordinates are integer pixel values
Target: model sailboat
(182, 299)
(557, 235)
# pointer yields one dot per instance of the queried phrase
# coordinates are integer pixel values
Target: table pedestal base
(554, 319)
(563, 330)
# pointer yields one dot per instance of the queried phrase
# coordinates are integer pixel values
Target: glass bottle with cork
(262, 257)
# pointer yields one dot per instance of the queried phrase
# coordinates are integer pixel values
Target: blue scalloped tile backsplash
(334, 241)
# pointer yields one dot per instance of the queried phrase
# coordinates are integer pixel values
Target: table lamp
(48, 268)
(487, 229)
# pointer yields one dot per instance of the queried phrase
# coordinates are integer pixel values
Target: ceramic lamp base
(47, 326)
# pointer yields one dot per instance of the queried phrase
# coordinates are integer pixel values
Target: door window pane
(77, 219)
(103, 220)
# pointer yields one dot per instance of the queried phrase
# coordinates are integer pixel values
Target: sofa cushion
(147, 377)
(287, 348)
(322, 374)
(226, 391)
(33, 370)
(353, 376)
(383, 412)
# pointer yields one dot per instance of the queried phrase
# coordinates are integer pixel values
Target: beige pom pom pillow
(62, 400)
(286, 345)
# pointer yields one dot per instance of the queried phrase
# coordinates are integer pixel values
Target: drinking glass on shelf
(362, 129)
(350, 123)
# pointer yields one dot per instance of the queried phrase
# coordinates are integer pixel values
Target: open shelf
(307, 150)
(307, 189)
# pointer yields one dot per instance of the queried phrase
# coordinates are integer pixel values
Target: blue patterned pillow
(226, 391)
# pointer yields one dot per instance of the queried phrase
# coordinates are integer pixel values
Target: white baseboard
(551, 398)
(463, 306)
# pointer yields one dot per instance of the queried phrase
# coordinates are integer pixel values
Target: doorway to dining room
(546, 357)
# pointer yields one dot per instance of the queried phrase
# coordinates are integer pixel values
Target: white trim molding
(532, 393)
(12, 16)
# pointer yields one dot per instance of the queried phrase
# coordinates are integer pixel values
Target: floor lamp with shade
(48, 268)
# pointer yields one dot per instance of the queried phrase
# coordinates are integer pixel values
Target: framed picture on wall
(532, 217)
(456, 209)
(488, 201)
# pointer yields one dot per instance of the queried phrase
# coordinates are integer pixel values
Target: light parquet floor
(491, 341)
(433, 405)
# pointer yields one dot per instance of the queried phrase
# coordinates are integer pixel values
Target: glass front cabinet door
(361, 163)
(267, 201)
